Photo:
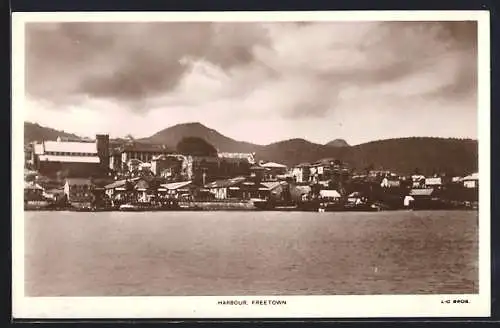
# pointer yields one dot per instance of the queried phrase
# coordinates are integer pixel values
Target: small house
(231, 188)
(273, 170)
(276, 191)
(184, 189)
(434, 182)
(32, 192)
(300, 193)
(390, 182)
(78, 192)
(418, 181)
(330, 195)
(120, 186)
(422, 198)
(471, 181)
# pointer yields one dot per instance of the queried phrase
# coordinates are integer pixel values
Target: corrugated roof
(235, 155)
(273, 165)
(473, 176)
(70, 147)
(329, 193)
(176, 185)
(119, 183)
(421, 192)
(271, 185)
(142, 184)
(303, 189)
(256, 167)
(144, 147)
(325, 161)
(225, 183)
(70, 159)
(33, 186)
(433, 181)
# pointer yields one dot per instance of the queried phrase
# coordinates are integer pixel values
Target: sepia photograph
(251, 164)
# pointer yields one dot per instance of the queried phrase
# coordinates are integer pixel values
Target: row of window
(79, 187)
(146, 156)
(63, 153)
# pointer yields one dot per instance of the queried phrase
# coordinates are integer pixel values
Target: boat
(36, 205)
(364, 207)
(262, 204)
(129, 207)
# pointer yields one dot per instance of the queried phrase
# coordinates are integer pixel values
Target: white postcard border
(368, 306)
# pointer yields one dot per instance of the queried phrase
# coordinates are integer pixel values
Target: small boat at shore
(129, 207)
(262, 204)
(146, 207)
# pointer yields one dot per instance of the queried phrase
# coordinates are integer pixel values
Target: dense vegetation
(403, 155)
(196, 146)
(35, 132)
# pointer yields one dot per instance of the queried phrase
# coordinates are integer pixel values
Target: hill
(36, 132)
(402, 155)
(407, 155)
(337, 143)
(172, 135)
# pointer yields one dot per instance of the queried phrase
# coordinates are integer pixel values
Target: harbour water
(250, 253)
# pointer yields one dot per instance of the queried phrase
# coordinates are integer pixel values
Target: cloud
(126, 61)
(235, 73)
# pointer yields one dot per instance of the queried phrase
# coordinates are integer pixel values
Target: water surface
(250, 253)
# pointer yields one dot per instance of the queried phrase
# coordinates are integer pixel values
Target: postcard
(251, 164)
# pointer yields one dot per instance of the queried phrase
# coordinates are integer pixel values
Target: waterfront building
(33, 191)
(421, 197)
(277, 191)
(75, 158)
(120, 186)
(184, 189)
(471, 181)
(79, 192)
(300, 193)
(330, 195)
(235, 188)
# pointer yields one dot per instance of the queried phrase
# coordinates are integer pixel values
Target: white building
(471, 181)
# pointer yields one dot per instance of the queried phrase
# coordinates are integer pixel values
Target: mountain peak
(190, 124)
(337, 143)
(173, 135)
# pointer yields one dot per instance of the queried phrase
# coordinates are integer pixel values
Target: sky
(256, 82)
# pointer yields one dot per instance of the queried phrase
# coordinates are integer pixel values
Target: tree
(196, 147)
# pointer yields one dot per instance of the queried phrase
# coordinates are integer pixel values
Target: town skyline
(355, 81)
(139, 138)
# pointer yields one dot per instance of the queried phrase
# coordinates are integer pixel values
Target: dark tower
(102, 141)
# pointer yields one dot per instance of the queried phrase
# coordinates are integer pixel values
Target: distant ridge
(36, 132)
(402, 155)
